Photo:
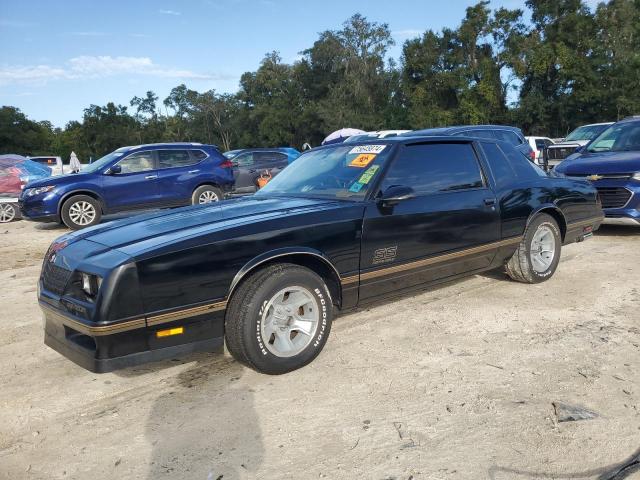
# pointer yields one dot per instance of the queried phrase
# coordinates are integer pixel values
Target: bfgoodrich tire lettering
(541, 236)
(249, 308)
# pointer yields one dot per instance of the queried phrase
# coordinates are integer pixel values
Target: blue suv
(611, 161)
(130, 178)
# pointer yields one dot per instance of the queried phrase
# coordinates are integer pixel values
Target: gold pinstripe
(440, 258)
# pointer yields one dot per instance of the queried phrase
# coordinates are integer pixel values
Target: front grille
(54, 278)
(613, 197)
(559, 153)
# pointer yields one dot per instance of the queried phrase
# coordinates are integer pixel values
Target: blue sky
(58, 57)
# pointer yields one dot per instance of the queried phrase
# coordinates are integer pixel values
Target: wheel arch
(554, 212)
(82, 191)
(310, 258)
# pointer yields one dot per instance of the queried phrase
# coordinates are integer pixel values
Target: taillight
(532, 156)
(226, 164)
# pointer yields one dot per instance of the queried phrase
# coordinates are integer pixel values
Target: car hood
(65, 179)
(600, 162)
(136, 235)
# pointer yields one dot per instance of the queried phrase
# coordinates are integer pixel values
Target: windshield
(585, 133)
(102, 162)
(344, 172)
(617, 138)
(361, 138)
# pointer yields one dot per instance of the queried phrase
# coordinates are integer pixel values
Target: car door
(449, 227)
(178, 173)
(244, 173)
(273, 162)
(134, 185)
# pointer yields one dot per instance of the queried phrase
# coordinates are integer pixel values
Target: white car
(538, 144)
(576, 139)
(377, 134)
(54, 163)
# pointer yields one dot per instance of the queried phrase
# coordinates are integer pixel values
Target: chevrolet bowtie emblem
(595, 178)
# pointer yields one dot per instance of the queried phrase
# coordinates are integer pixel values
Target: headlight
(91, 284)
(31, 192)
(636, 176)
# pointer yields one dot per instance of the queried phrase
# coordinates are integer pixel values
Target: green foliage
(566, 66)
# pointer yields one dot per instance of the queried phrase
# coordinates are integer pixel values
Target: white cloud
(169, 12)
(87, 67)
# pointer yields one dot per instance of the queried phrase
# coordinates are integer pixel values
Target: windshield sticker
(356, 187)
(368, 175)
(362, 160)
(374, 149)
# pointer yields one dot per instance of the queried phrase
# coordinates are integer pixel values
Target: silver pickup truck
(560, 150)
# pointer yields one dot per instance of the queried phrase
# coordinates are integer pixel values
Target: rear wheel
(206, 194)
(81, 211)
(279, 319)
(538, 254)
(7, 212)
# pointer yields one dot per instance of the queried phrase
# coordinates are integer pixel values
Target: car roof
(165, 145)
(410, 140)
(264, 149)
(456, 128)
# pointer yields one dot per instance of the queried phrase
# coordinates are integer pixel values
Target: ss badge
(385, 255)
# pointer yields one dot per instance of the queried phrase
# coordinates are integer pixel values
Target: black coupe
(340, 227)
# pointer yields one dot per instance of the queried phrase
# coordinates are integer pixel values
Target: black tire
(520, 265)
(206, 190)
(244, 317)
(69, 216)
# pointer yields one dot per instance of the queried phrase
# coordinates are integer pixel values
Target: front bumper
(38, 211)
(627, 214)
(107, 347)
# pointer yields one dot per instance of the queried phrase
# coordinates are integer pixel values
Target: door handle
(490, 202)
(193, 171)
(150, 177)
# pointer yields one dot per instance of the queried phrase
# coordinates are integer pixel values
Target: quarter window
(174, 158)
(508, 136)
(138, 162)
(434, 168)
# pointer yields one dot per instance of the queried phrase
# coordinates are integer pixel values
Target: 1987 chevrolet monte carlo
(340, 227)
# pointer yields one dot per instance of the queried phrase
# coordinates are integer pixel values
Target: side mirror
(396, 194)
(113, 170)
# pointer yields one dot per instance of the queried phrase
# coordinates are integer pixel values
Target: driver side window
(138, 162)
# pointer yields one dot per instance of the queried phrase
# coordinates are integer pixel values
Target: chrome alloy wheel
(290, 321)
(82, 213)
(7, 212)
(207, 196)
(543, 248)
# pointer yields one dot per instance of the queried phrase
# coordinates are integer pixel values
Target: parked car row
(169, 175)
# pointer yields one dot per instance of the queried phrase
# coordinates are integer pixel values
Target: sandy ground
(453, 383)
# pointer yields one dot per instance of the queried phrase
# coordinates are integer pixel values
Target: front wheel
(279, 319)
(81, 211)
(206, 194)
(538, 254)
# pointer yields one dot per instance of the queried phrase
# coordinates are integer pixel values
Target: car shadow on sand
(618, 231)
(204, 424)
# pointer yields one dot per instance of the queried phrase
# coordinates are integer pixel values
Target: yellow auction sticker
(362, 160)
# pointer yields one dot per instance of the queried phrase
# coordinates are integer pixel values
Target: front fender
(277, 253)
